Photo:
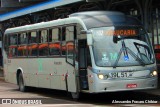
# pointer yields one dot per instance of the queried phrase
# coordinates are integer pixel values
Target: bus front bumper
(123, 85)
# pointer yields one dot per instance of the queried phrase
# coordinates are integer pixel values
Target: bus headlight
(154, 73)
(101, 76)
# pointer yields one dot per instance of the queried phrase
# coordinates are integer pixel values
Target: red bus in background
(157, 55)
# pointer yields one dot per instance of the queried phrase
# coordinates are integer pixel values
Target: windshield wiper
(125, 50)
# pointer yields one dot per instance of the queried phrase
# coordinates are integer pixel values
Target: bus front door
(82, 64)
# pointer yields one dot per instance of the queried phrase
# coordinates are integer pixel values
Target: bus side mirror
(115, 39)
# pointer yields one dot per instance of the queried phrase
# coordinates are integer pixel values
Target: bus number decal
(57, 63)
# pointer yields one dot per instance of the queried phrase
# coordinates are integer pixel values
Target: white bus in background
(91, 52)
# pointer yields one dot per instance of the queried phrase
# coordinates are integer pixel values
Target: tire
(21, 84)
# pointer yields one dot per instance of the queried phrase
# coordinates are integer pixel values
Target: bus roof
(88, 20)
(36, 8)
(105, 18)
(49, 24)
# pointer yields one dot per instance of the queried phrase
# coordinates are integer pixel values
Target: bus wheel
(75, 95)
(21, 85)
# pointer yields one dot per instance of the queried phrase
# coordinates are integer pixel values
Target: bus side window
(70, 34)
(63, 40)
(22, 44)
(43, 37)
(54, 41)
(33, 37)
(6, 43)
(33, 44)
(43, 45)
(54, 35)
(12, 45)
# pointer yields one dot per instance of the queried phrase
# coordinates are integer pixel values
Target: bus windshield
(121, 46)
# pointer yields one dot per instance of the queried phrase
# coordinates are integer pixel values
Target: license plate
(131, 85)
(120, 74)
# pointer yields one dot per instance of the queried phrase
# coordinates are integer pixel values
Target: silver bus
(90, 52)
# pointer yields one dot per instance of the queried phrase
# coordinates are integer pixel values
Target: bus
(88, 52)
